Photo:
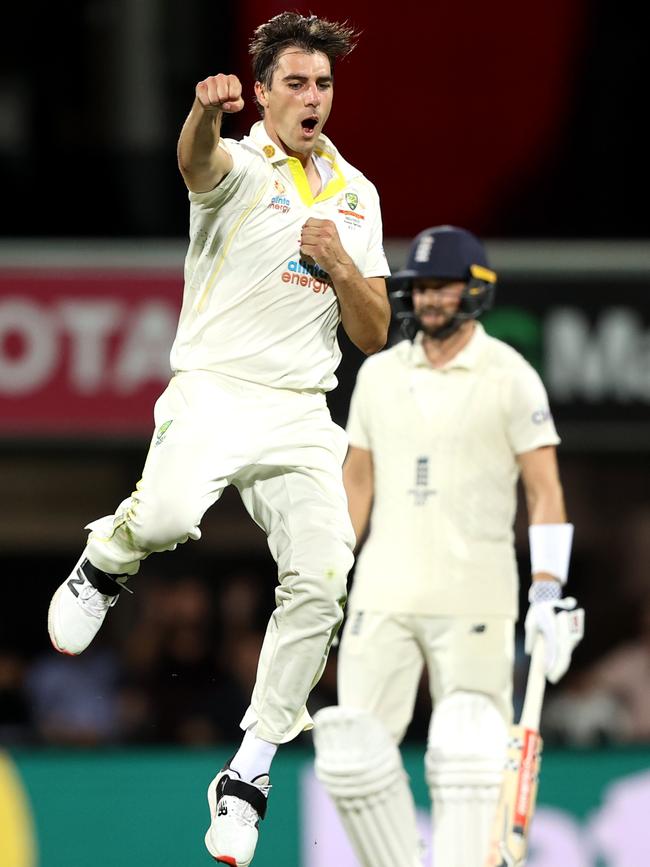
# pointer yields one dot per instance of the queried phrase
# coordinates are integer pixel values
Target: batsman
(441, 426)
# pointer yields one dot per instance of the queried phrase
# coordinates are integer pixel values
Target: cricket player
(285, 244)
(440, 428)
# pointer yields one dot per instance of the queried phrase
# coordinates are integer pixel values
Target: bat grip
(535, 686)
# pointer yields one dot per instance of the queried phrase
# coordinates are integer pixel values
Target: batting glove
(560, 622)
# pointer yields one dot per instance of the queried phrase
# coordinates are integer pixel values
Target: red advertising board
(84, 351)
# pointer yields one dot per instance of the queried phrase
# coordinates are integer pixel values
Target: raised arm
(201, 161)
(359, 481)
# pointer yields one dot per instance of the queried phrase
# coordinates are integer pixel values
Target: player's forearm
(359, 508)
(365, 313)
(546, 505)
(199, 158)
(542, 486)
(359, 504)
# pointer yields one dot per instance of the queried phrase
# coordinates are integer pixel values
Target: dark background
(518, 122)
(514, 121)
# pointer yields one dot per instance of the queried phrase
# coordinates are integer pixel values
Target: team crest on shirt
(162, 430)
(352, 200)
(350, 206)
(421, 491)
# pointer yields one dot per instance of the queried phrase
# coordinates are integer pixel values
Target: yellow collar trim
(334, 185)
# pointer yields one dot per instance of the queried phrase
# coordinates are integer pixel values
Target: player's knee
(467, 740)
(355, 754)
(159, 526)
(326, 576)
(326, 597)
(360, 766)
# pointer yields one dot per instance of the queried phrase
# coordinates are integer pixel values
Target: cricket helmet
(445, 253)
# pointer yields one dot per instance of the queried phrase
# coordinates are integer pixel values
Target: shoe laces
(264, 788)
(95, 603)
(242, 811)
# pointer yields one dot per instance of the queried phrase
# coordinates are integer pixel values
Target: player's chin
(298, 145)
(432, 322)
(306, 146)
(308, 135)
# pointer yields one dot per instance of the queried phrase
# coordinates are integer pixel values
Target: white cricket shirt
(251, 308)
(444, 444)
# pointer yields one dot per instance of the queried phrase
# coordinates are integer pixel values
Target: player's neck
(305, 159)
(439, 352)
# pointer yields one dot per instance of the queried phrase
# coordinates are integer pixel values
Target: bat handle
(535, 686)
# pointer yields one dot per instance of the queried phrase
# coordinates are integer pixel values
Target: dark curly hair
(309, 33)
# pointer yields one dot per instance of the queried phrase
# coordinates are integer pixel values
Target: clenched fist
(320, 241)
(220, 93)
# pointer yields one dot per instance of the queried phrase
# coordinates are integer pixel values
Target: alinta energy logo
(280, 202)
(301, 273)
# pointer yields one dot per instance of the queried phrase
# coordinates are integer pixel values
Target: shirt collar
(260, 140)
(467, 358)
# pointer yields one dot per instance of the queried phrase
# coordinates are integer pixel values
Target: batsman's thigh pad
(360, 766)
(464, 766)
(379, 668)
(468, 655)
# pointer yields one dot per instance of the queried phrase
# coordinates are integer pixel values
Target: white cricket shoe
(236, 808)
(77, 611)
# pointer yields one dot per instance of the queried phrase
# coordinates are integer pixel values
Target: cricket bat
(509, 838)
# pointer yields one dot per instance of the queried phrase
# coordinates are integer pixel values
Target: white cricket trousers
(381, 657)
(283, 453)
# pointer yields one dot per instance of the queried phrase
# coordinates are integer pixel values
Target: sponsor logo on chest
(301, 273)
(280, 201)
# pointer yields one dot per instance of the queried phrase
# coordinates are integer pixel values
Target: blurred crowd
(176, 665)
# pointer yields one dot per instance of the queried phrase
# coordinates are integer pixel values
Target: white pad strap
(361, 768)
(550, 549)
(464, 765)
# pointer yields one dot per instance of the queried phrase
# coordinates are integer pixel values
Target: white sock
(253, 757)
